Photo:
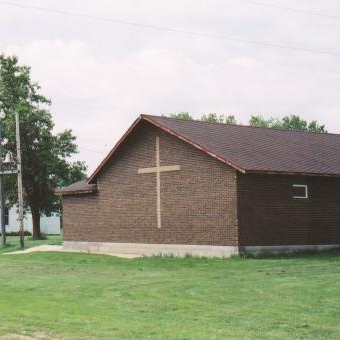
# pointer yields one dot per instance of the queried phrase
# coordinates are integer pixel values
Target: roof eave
(105, 160)
(290, 173)
(75, 192)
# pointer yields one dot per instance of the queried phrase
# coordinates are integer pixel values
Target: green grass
(13, 244)
(83, 296)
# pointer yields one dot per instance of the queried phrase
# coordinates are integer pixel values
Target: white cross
(158, 169)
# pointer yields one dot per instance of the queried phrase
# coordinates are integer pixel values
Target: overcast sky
(101, 75)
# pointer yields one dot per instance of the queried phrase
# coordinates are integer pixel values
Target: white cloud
(101, 76)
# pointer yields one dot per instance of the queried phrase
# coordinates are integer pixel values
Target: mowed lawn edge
(87, 296)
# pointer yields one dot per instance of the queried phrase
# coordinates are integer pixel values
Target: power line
(173, 30)
(91, 150)
(292, 9)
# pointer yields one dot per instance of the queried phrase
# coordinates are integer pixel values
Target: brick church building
(177, 186)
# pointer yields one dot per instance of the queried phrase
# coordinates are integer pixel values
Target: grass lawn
(13, 244)
(83, 296)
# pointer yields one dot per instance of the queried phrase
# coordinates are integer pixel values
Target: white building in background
(48, 225)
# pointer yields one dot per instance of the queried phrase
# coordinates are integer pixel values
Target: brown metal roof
(255, 149)
(251, 149)
(81, 187)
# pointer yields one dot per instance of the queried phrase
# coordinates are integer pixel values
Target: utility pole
(20, 194)
(2, 203)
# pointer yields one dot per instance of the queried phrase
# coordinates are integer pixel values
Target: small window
(300, 191)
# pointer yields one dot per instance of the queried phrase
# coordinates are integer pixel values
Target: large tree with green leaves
(45, 155)
(291, 122)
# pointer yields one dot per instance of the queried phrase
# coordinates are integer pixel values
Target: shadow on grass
(41, 238)
(327, 253)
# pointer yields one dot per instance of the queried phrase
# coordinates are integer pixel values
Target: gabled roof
(251, 149)
(256, 149)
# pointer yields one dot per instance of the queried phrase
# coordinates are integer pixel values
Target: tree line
(289, 122)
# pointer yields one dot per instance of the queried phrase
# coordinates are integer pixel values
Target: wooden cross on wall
(158, 169)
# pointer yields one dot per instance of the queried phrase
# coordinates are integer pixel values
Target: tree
(181, 115)
(44, 154)
(212, 117)
(313, 126)
(209, 117)
(262, 122)
(292, 122)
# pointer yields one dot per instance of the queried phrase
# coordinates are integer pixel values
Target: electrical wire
(174, 30)
(291, 9)
(91, 150)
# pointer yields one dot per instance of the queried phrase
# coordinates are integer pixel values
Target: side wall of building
(198, 202)
(268, 214)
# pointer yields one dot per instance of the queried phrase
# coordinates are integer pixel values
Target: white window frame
(301, 186)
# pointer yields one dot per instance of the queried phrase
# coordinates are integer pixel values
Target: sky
(101, 74)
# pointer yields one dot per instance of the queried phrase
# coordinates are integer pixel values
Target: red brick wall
(269, 215)
(79, 214)
(198, 202)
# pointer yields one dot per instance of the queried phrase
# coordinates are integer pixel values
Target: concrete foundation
(151, 249)
(141, 249)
